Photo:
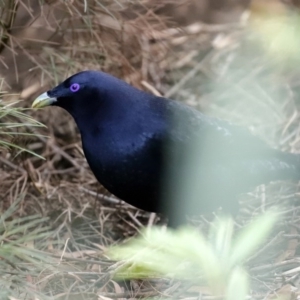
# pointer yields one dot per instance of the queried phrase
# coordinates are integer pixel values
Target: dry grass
(210, 67)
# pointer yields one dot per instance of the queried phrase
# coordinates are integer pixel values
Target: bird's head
(75, 90)
(95, 95)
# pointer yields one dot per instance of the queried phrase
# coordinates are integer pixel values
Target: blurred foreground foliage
(188, 255)
(277, 28)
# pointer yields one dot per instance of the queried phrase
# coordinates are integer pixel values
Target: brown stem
(8, 22)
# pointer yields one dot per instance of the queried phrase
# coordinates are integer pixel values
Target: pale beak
(43, 100)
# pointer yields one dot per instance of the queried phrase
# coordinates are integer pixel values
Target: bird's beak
(43, 100)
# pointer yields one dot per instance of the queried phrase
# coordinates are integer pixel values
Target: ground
(225, 70)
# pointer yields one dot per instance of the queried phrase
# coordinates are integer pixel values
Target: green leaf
(251, 237)
(184, 254)
(221, 234)
(238, 285)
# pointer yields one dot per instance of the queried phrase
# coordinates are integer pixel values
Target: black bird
(140, 146)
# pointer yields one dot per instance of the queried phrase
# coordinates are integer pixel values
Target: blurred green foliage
(188, 255)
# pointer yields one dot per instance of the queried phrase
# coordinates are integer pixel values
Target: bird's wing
(217, 140)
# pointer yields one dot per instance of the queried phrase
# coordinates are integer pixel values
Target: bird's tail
(281, 166)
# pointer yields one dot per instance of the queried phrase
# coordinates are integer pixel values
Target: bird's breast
(126, 165)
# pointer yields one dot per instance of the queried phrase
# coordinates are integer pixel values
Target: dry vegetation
(223, 69)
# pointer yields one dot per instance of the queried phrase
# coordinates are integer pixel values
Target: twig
(112, 200)
(192, 73)
(7, 24)
(266, 246)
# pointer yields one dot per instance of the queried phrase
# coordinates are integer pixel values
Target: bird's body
(136, 144)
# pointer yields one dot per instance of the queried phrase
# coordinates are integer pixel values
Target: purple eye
(74, 87)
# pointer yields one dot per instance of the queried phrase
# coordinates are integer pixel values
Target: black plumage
(137, 143)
